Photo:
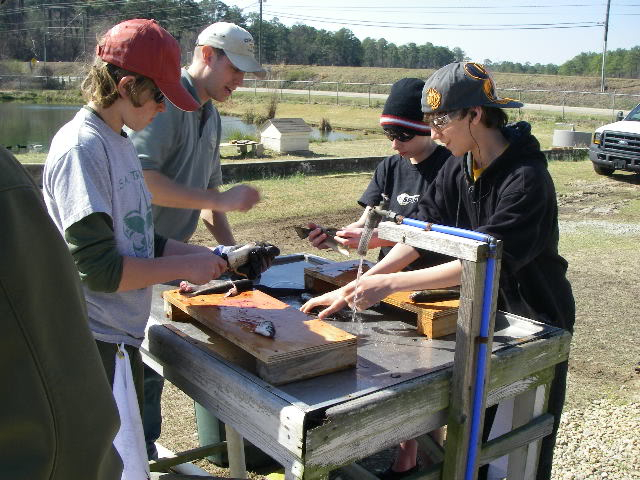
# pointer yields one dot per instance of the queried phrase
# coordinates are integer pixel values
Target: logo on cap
(434, 98)
(478, 72)
(475, 70)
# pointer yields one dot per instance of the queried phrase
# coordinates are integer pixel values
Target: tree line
(67, 30)
(620, 63)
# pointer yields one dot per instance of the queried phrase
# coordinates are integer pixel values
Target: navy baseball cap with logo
(462, 85)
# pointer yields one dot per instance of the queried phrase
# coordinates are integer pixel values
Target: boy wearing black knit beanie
(403, 177)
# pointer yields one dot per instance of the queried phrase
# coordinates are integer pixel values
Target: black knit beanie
(403, 109)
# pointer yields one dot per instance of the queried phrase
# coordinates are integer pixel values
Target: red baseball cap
(144, 47)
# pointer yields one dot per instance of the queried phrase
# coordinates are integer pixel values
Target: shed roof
(286, 125)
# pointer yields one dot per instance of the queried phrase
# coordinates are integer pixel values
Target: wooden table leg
(235, 453)
(526, 406)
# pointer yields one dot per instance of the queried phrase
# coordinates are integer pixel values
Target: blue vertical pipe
(481, 359)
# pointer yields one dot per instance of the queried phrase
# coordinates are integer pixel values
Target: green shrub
(248, 117)
(272, 106)
(238, 135)
(298, 74)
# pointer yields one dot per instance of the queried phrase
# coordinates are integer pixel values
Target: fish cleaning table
(398, 390)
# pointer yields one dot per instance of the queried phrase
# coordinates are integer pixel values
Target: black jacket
(514, 200)
(405, 183)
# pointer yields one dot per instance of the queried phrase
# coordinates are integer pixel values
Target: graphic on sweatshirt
(138, 228)
(406, 199)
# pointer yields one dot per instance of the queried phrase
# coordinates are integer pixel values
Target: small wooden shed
(285, 134)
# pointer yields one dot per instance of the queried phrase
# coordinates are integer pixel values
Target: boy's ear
(475, 113)
(125, 84)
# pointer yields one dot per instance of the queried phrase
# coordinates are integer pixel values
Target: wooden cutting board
(325, 277)
(303, 346)
(434, 319)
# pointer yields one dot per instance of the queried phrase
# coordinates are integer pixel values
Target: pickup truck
(616, 146)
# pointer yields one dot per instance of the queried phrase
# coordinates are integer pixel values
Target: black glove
(248, 260)
(260, 259)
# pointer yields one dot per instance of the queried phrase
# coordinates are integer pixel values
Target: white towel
(129, 441)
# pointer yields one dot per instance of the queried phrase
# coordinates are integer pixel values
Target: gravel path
(611, 228)
(601, 441)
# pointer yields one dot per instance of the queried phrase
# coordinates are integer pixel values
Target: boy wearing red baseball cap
(95, 193)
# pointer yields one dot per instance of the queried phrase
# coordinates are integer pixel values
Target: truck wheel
(600, 170)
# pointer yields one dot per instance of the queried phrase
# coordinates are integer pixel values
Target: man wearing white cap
(180, 156)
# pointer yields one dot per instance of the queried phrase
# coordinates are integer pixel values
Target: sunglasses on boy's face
(443, 120)
(399, 135)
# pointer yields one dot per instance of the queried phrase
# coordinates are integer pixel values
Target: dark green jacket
(57, 413)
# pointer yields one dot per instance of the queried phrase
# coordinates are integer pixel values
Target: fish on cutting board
(265, 328)
(435, 295)
(229, 287)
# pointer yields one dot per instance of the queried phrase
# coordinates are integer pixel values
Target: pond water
(32, 124)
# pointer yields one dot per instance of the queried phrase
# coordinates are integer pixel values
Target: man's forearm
(218, 226)
(167, 193)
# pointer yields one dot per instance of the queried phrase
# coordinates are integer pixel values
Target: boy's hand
(203, 267)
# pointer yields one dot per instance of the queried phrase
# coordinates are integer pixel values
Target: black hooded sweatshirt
(514, 200)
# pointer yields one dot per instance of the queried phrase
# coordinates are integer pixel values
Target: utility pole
(46, 31)
(603, 86)
(84, 34)
(260, 35)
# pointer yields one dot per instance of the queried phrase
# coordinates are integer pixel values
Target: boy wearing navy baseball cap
(504, 189)
(499, 185)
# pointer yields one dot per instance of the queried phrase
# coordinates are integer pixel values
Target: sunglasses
(158, 96)
(443, 120)
(399, 135)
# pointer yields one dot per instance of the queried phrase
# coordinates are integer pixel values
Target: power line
(439, 26)
(449, 7)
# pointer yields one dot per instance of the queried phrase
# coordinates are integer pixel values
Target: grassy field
(384, 75)
(381, 76)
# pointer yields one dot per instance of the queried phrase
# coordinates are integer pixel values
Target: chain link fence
(375, 93)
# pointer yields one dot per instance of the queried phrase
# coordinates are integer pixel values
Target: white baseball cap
(237, 44)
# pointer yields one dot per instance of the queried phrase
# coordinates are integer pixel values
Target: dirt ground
(599, 238)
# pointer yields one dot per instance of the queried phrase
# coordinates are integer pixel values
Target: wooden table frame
(310, 448)
(311, 444)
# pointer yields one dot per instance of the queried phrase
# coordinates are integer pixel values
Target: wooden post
(473, 255)
(235, 452)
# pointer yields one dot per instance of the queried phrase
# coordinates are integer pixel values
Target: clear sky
(545, 31)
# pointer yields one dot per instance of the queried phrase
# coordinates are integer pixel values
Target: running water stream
(354, 316)
(363, 248)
